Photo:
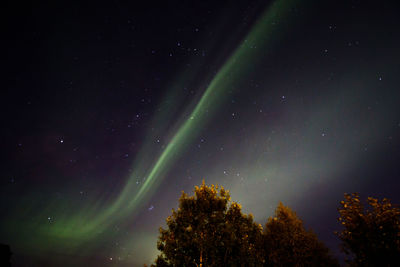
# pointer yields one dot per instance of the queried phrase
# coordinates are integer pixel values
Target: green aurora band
(72, 231)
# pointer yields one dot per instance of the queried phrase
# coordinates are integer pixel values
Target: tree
(209, 230)
(205, 232)
(5, 255)
(371, 236)
(288, 243)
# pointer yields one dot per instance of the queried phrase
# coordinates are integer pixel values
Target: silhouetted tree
(371, 236)
(288, 243)
(205, 232)
(5, 255)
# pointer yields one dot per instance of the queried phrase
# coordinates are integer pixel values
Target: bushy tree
(288, 243)
(371, 236)
(204, 231)
(209, 230)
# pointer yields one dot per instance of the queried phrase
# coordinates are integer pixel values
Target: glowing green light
(71, 230)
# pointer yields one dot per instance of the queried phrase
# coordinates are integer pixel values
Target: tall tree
(288, 243)
(370, 236)
(205, 232)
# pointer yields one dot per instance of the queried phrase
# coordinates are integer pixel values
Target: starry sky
(110, 109)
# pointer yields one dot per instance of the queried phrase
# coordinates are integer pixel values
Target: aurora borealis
(112, 109)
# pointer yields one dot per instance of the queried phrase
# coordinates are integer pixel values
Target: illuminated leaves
(288, 243)
(371, 236)
(204, 231)
(210, 230)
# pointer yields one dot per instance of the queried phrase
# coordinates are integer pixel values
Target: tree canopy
(208, 229)
(288, 243)
(204, 231)
(370, 236)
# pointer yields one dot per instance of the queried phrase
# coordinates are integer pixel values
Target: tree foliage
(209, 230)
(371, 236)
(204, 231)
(288, 243)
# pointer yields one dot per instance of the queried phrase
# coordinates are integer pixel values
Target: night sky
(110, 109)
